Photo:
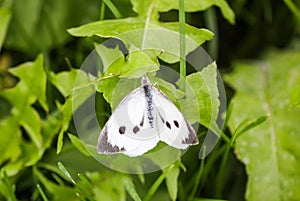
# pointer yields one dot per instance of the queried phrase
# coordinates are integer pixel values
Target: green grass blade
(8, 185)
(155, 186)
(65, 171)
(130, 188)
(182, 44)
(42, 193)
(113, 9)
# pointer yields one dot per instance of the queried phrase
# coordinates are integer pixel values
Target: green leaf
(65, 171)
(111, 186)
(78, 144)
(271, 150)
(33, 84)
(108, 28)
(247, 125)
(66, 111)
(10, 147)
(172, 181)
(198, 35)
(143, 7)
(64, 81)
(71, 84)
(203, 88)
(58, 192)
(129, 30)
(38, 26)
(5, 16)
(136, 65)
(130, 188)
(31, 88)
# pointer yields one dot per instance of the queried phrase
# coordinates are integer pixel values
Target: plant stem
(102, 11)
(182, 45)
(156, 184)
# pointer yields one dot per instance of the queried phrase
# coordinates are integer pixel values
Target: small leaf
(172, 181)
(67, 112)
(64, 81)
(65, 171)
(130, 188)
(202, 103)
(78, 144)
(59, 192)
(246, 125)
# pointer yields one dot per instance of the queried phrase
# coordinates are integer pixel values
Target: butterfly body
(142, 119)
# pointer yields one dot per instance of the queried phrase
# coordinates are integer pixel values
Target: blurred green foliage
(43, 43)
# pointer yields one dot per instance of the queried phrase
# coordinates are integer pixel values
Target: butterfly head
(145, 80)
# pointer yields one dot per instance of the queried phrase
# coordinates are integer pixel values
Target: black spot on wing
(105, 147)
(176, 123)
(122, 130)
(168, 124)
(136, 129)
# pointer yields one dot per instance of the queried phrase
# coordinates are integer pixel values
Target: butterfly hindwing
(127, 130)
(172, 126)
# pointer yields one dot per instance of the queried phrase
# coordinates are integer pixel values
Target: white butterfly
(143, 118)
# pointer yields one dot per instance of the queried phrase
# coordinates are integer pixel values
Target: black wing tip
(104, 147)
(192, 138)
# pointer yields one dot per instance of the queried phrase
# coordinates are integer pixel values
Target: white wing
(173, 127)
(127, 131)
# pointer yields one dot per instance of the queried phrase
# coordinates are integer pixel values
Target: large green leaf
(142, 7)
(117, 27)
(271, 150)
(39, 25)
(31, 87)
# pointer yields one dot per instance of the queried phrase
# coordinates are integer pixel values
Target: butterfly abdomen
(149, 99)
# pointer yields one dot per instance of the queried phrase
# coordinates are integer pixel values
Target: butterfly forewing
(127, 130)
(173, 127)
